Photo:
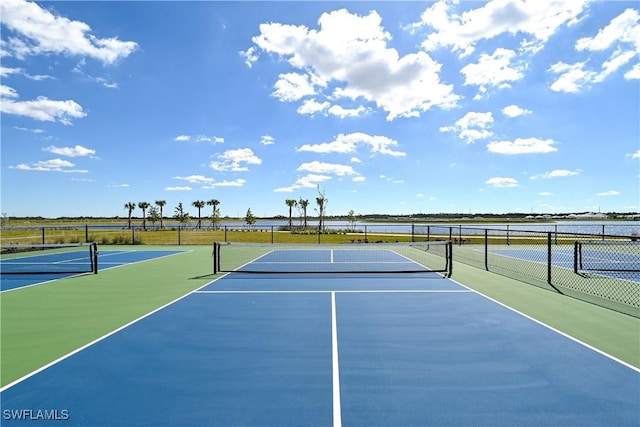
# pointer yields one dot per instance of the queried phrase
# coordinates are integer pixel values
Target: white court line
(331, 256)
(365, 291)
(337, 411)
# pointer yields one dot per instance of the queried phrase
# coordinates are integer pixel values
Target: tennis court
(48, 263)
(598, 259)
(399, 348)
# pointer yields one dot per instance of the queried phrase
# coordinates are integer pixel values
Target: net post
(449, 255)
(43, 235)
(94, 258)
(508, 242)
(215, 258)
(575, 257)
(413, 232)
(486, 249)
(549, 264)
(549, 258)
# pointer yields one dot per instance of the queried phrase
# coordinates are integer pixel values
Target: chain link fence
(596, 267)
(600, 269)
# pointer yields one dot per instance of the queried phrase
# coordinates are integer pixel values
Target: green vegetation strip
(41, 323)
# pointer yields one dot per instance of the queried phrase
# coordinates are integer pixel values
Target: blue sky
(387, 107)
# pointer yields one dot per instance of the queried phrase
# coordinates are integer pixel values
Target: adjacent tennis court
(398, 345)
(610, 259)
(29, 265)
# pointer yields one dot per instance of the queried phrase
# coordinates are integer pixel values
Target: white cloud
(635, 155)
(622, 36)
(622, 29)
(292, 87)
(307, 181)
(355, 160)
(119, 185)
(38, 31)
(235, 160)
(267, 140)
(43, 109)
(212, 139)
(195, 179)
(200, 138)
(502, 182)
(249, 55)
(523, 146)
(77, 151)
(493, 70)
(545, 194)
(608, 193)
(7, 92)
(359, 179)
(515, 111)
(557, 173)
(472, 126)
(535, 20)
(573, 77)
(349, 143)
(325, 168)
(351, 52)
(53, 165)
(177, 189)
(235, 183)
(311, 106)
(339, 111)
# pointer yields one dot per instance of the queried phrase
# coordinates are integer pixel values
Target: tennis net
(606, 256)
(73, 258)
(339, 258)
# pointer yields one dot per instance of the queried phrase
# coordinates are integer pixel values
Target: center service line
(337, 412)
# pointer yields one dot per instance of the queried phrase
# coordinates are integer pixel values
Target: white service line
(337, 412)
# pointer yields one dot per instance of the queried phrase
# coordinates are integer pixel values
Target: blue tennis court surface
(331, 350)
(106, 259)
(333, 260)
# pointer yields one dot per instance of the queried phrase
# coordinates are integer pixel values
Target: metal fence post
(486, 249)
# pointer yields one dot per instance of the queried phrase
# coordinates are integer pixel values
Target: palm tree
(130, 206)
(303, 204)
(161, 204)
(215, 213)
(199, 204)
(181, 215)
(144, 206)
(291, 203)
(322, 204)
(154, 215)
